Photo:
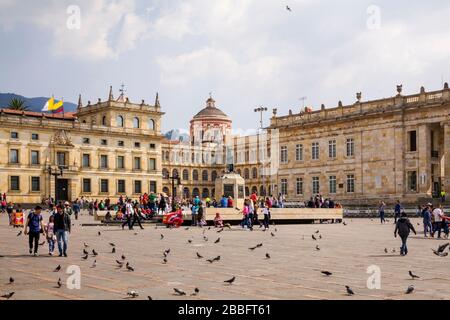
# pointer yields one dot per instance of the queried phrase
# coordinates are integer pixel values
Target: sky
(247, 53)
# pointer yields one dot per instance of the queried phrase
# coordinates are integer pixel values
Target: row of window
(195, 174)
(120, 186)
(315, 185)
(120, 121)
(120, 162)
(120, 143)
(315, 150)
(15, 135)
(14, 183)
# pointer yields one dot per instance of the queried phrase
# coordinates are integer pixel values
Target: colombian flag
(54, 107)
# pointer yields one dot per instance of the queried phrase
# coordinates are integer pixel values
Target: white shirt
(437, 213)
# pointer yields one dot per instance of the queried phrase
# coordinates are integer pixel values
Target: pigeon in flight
(57, 268)
(119, 264)
(410, 290)
(230, 281)
(288, 9)
(413, 276)
(327, 273)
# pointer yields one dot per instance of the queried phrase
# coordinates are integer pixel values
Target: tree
(17, 104)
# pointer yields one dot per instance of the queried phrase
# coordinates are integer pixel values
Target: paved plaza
(292, 272)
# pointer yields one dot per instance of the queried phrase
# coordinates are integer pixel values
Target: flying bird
(119, 264)
(199, 255)
(133, 294)
(230, 281)
(327, 273)
(179, 292)
(441, 248)
(259, 245)
(413, 276)
(57, 268)
(409, 290)
(288, 9)
(8, 295)
(349, 291)
(167, 252)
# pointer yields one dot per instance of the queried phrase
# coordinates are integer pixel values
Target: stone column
(424, 151)
(446, 152)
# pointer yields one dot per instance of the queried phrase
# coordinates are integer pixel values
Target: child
(51, 237)
(266, 213)
(17, 219)
(403, 227)
(218, 221)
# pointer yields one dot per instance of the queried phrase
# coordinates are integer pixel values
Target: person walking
(437, 214)
(50, 231)
(266, 212)
(403, 227)
(381, 211)
(62, 228)
(427, 226)
(136, 216)
(127, 210)
(76, 209)
(35, 226)
(443, 194)
(397, 211)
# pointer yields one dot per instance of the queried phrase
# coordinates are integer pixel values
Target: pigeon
(42, 243)
(413, 276)
(409, 290)
(167, 252)
(113, 250)
(8, 295)
(385, 250)
(94, 253)
(217, 241)
(318, 231)
(327, 273)
(252, 248)
(85, 257)
(57, 268)
(214, 259)
(267, 256)
(196, 291)
(94, 264)
(349, 291)
(230, 281)
(190, 241)
(199, 255)
(219, 231)
(129, 268)
(165, 260)
(276, 230)
(344, 223)
(440, 254)
(259, 245)
(123, 257)
(320, 236)
(85, 252)
(20, 232)
(205, 238)
(133, 294)
(149, 298)
(314, 238)
(179, 292)
(441, 248)
(119, 264)
(317, 248)
(59, 283)
(272, 234)
(86, 245)
(112, 244)
(11, 280)
(209, 228)
(99, 233)
(162, 236)
(227, 225)
(187, 228)
(288, 9)
(393, 250)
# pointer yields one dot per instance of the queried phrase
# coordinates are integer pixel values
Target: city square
(293, 271)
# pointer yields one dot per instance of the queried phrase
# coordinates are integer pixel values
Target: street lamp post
(55, 173)
(173, 179)
(261, 110)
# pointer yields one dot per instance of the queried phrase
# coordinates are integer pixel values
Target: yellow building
(105, 149)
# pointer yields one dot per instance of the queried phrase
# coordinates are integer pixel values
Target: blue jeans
(51, 245)
(62, 238)
(382, 216)
(427, 227)
(404, 248)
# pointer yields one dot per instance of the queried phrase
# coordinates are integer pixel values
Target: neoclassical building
(105, 149)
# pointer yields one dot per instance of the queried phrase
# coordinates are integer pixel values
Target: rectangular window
(412, 140)
(86, 185)
(299, 186)
(104, 186)
(152, 164)
(350, 183)
(35, 184)
(14, 156)
(152, 146)
(121, 186)
(350, 147)
(86, 141)
(14, 181)
(104, 161)
(152, 186)
(137, 144)
(332, 184)
(34, 157)
(315, 185)
(137, 163)
(86, 160)
(120, 143)
(284, 186)
(14, 135)
(61, 159)
(104, 142)
(299, 152)
(412, 181)
(120, 162)
(34, 136)
(315, 151)
(283, 154)
(332, 149)
(137, 187)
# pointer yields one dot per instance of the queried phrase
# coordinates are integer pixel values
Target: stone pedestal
(231, 184)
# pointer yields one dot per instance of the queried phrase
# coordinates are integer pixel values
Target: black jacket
(62, 222)
(403, 227)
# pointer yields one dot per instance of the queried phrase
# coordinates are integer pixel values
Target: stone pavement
(293, 272)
